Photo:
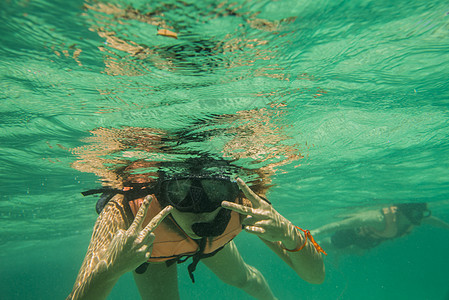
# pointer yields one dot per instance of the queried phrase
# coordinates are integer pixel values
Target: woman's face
(186, 219)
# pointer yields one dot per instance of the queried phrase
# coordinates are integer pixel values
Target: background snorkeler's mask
(416, 216)
(197, 194)
(414, 212)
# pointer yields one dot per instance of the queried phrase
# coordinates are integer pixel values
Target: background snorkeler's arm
(368, 218)
(114, 250)
(264, 221)
(436, 222)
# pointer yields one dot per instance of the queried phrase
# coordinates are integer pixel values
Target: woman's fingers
(241, 209)
(254, 229)
(140, 216)
(154, 223)
(250, 195)
(250, 221)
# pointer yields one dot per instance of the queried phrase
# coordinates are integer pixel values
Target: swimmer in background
(368, 229)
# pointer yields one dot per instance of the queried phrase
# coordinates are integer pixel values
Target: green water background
(361, 87)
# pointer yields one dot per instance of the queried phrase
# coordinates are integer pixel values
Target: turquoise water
(344, 103)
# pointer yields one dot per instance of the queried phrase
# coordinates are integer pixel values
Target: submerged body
(369, 229)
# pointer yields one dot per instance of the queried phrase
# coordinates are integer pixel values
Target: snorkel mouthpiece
(214, 228)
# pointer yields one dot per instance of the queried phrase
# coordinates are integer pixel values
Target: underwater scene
(336, 112)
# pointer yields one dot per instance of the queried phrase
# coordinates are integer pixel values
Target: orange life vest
(172, 242)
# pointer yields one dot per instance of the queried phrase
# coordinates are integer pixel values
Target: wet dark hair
(414, 212)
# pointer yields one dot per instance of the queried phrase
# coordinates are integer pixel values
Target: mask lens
(177, 190)
(416, 216)
(219, 190)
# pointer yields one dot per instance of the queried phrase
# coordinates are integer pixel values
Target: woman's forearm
(307, 263)
(97, 285)
(95, 279)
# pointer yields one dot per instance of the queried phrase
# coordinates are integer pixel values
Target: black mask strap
(107, 193)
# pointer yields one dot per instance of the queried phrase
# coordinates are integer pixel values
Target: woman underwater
(192, 209)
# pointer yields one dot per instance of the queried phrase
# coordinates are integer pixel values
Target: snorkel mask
(197, 194)
(200, 194)
(414, 212)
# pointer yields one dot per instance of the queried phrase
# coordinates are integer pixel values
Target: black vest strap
(196, 258)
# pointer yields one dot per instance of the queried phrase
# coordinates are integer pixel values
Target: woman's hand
(262, 219)
(130, 248)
